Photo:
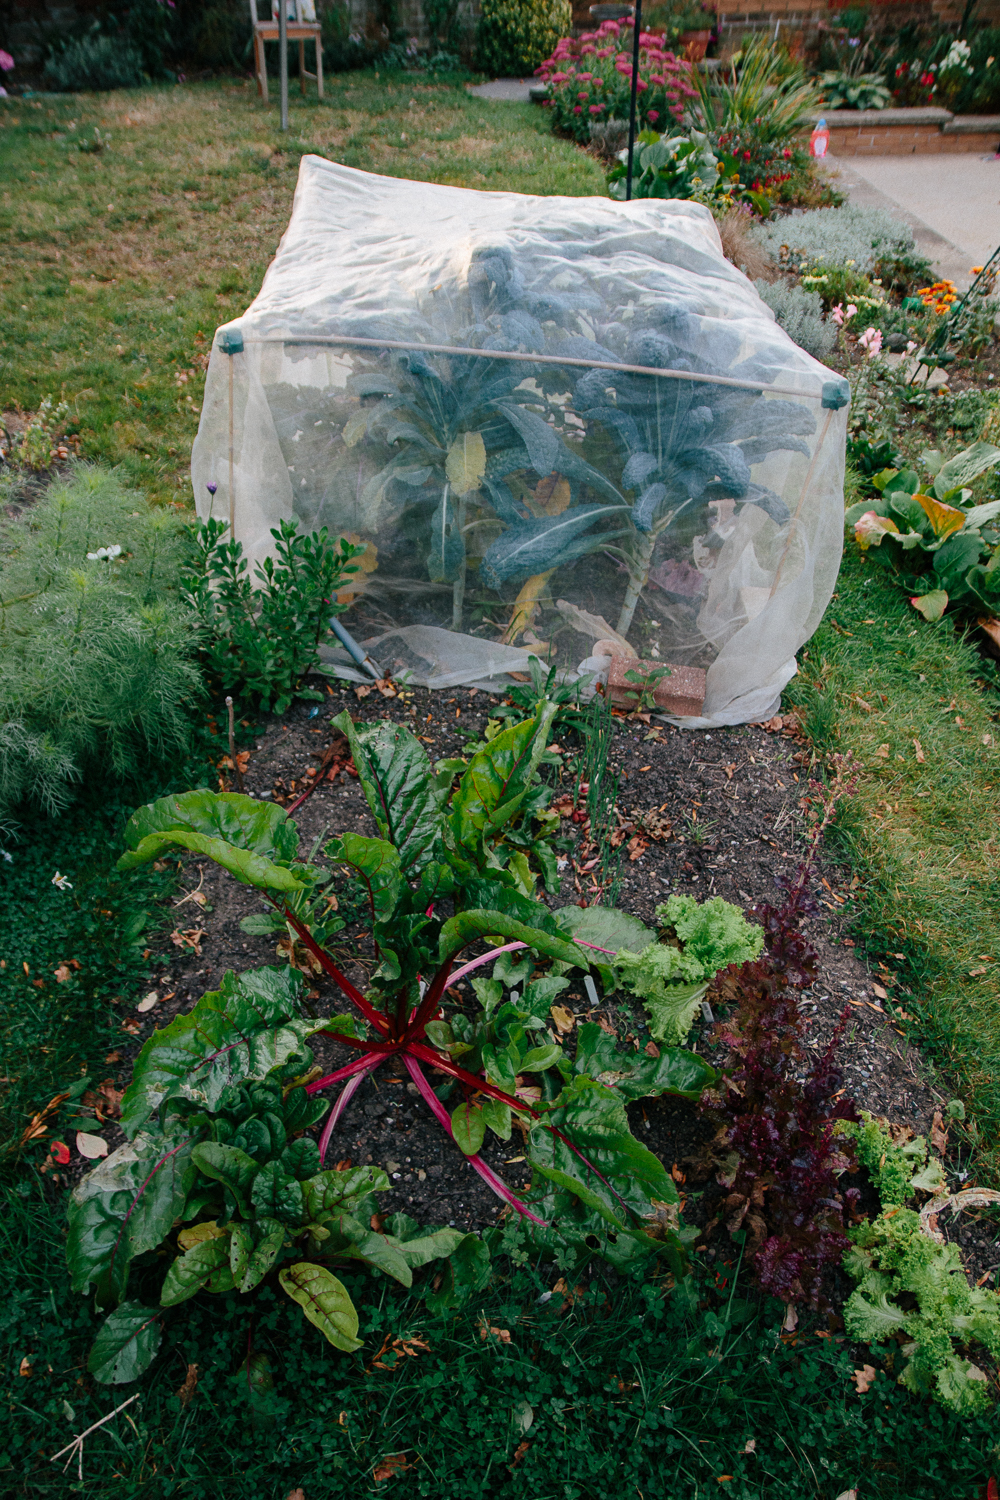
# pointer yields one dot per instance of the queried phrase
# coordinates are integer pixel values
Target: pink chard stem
(342, 1101)
(441, 1115)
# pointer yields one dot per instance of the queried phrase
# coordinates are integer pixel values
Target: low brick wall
(910, 132)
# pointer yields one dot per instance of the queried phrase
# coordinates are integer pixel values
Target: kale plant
(685, 444)
(263, 640)
(439, 879)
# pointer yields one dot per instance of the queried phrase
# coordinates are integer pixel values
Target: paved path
(951, 202)
(512, 89)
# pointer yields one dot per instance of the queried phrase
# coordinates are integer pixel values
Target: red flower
(60, 1151)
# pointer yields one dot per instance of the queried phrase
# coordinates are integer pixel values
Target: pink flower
(653, 116)
(840, 316)
(559, 77)
(6, 61)
(642, 85)
(657, 78)
(871, 340)
(596, 109)
(583, 77)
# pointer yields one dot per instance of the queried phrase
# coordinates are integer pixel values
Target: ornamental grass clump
(590, 79)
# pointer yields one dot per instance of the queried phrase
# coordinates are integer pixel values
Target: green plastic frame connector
(231, 341)
(836, 393)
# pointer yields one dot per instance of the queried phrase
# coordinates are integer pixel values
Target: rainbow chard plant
(220, 1099)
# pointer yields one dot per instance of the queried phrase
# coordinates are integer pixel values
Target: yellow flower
(975, 270)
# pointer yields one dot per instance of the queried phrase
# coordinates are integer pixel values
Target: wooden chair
(299, 31)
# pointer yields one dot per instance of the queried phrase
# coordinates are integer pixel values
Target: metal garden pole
(636, 28)
(283, 45)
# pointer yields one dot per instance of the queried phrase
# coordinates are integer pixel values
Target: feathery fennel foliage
(96, 649)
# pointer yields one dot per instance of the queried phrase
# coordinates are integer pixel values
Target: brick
(682, 693)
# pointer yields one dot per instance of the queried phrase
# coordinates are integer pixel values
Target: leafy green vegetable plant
(678, 166)
(438, 850)
(262, 637)
(898, 1167)
(671, 976)
(943, 550)
(911, 1286)
(215, 1143)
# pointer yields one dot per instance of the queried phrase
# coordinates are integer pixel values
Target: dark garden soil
(728, 822)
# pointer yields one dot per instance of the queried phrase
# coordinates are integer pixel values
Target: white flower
(105, 554)
(8, 857)
(61, 882)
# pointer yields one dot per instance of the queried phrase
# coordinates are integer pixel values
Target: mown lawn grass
(918, 707)
(120, 263)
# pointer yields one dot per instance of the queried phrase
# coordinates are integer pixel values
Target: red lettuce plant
(777, 1153)
(590, 80)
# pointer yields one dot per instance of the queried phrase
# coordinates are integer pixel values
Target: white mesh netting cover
(425, 370)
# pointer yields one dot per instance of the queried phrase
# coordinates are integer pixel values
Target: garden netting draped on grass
(551, 421)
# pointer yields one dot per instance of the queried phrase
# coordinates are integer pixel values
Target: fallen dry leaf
(487, 1329)
(564, 1019)
(519, 1453)
(791, 1321)
(939, 1133)
(864, 1378)
(60, 1152)
(91, 1146)
(113, 1057)
(393, 1463)
(750, 1446)
(919, 750)
(299, 1494)
(147, 1002)
(26, 1368)
(882, 752)
(403, 1348)
(848, 1495)
(131, 1026)
(186, 1393)
(651, 1049)
(880, 992)
(190, 938)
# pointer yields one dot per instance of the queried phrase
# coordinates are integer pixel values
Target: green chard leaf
(204, 1267)
(376, 864)
(126, 1206)
(634, 1075)
(499, 778)
(464, 1273)
(233, 1034)
(627, 1176)
(126, 1344)
(398, 783)
(242, 835)
(458, 932)
(230, 1166)
(334, 1191)
(468, 1127)
(325, 1302)
(277, 1195)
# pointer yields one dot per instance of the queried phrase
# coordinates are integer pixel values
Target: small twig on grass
(77, 1443)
